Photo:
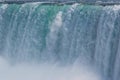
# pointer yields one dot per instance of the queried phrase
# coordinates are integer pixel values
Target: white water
(45, 72)
(77, 33)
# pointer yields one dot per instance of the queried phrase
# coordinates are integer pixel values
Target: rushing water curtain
(66, 35)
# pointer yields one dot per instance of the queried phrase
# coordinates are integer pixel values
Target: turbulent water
(54, 42)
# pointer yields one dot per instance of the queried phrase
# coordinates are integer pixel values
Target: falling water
(54, 42)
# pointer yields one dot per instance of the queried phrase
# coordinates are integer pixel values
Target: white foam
(45, 72)
(57, 23)
(116, 7)
(4, 6)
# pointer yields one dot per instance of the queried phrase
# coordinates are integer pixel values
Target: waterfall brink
(61, 3)
(52, 42)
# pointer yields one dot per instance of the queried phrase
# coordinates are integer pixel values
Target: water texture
(53, 39)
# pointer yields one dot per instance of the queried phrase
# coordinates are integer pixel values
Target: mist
(26, 71)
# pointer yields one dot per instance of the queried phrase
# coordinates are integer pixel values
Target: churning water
(45, 72)
(54, 42)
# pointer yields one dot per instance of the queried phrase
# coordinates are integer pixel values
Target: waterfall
(67, 36)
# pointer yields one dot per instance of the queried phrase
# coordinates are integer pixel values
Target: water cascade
(59, 42)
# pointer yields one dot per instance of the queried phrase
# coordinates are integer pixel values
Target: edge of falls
(62, 3)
